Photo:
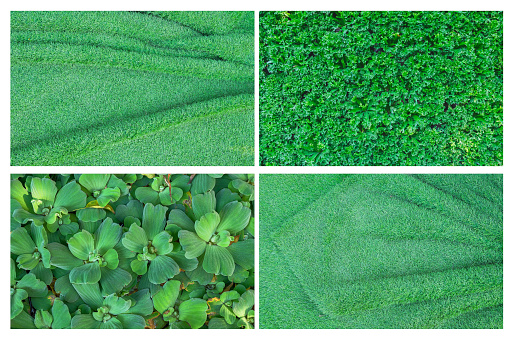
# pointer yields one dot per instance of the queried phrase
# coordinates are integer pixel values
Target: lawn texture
(381, 88)
(381, 251)
(132, 88)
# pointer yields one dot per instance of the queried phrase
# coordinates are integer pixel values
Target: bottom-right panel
(381, 251)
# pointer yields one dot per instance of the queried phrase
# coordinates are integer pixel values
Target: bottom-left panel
(102, 251)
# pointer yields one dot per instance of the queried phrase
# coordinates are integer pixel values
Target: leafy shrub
(132, 251)
(380, 88)
(111, 88)
(394, 251)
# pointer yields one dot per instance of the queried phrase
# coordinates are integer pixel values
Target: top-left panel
(132, 88)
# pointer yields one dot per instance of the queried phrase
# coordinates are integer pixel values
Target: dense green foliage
(381, 88)
(132, 251)
(381, 251)
(127, 88)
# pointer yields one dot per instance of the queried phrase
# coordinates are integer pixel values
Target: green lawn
(381, 251)
(128, 88)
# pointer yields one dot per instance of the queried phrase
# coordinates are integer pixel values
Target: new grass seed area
(129, 88)
(381, 251)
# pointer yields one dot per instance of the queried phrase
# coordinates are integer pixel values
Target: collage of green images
(95, 247)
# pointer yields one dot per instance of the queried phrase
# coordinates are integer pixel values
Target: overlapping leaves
(128, 251)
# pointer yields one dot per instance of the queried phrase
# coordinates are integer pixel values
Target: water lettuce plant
(100, 251)
(132, 88)
(395, 251)
(381, 88)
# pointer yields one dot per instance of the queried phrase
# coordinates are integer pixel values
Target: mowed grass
(382, 251)
(126, 88)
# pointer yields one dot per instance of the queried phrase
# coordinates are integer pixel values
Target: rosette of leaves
(117, 313)
(46, 204)
(159, 191)
(32, 254)
(152, 245)
(27, 286)
(191, 313)
(236, 310)
(212, 232)
(105, 188)
(92, 259)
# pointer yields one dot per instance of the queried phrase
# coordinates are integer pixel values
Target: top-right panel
(381, 89)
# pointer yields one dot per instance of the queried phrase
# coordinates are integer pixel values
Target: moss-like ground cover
(381, 88)
(129, 88)
(381, 251)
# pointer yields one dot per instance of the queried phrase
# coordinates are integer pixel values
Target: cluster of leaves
(87, 61)
(381, 88)
(132, 251)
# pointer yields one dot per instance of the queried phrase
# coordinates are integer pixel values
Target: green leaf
(228, 315)
(202, 183)
(243, 253)
(244, 304)
(27, 261)
(193, 245)
(33, 286)
(234, 217)
(61, 257)
(43, 319)
(65, 288)
(243, 187)
(166, 297)
(86, 274)
(134, 208)
(206, 226)
(91, 214)
(22, 216)
(81, 245)
(90, 294)
(162, 243)
(229, 296)
(224, 239)
(107, 195)
(194, 312)
(84, 321)
(116, 305)
(139, 266)
(179, 218)
(131, 321)
(154, 220)
(107, 236)
(224, 197)
(218, 260)
(114, 280)
(20, 194)
(203, 204)
(119, 183)
(42, 273)
(161, 269)
(135, 239)
(43, 189)
(71, 197)
(22, 321)
(142, 303)
(219, 323)
(21, 242)
(61, 315)
(94, 182)
(147, 195)
(176, 195)
(239, 275)
(111, 259)
(39, 236)
(16, 301)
